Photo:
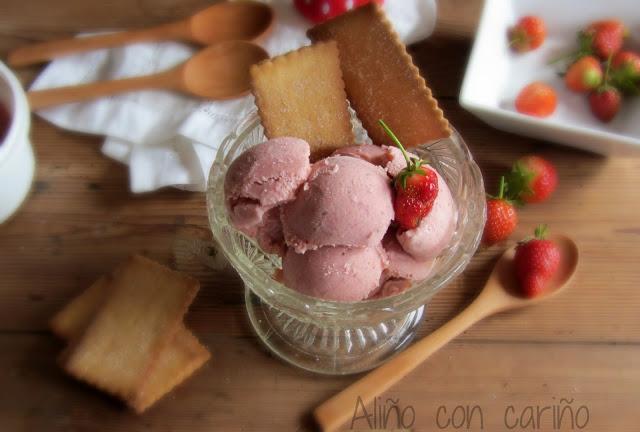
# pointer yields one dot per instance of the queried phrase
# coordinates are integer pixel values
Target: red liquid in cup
(5, 121)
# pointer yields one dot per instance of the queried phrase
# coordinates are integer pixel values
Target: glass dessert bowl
(333, 337)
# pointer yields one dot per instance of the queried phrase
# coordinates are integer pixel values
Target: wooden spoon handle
(48, 50)
(57, 96)
(340, 408)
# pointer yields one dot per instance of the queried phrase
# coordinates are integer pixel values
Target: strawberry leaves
(626, 79)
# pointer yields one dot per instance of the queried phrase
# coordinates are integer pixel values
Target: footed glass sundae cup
(332, 337)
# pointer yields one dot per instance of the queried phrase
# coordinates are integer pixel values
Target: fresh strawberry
(537, 99)
(416, 188)
(625, 72)
(318, 11)
(536, 262)
(605, 103)
(628, 60)
(415, 195)
(532, 180)
(501, 218)
(606, 37)
(528, 34)
(584, 75)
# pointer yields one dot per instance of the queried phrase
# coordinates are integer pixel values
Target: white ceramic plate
(495, 74)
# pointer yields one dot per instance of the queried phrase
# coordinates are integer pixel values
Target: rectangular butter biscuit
(137, 320)
(380, 78)
(176, 362)
(301, 94)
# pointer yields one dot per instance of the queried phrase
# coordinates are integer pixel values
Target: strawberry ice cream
(435, 230)
(345, 202)
(269, 233)
(387, 157)
(402, 265)
(334, 273)
(333, 221)
(264, 177)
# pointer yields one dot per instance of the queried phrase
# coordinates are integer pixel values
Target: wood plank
(270, 395)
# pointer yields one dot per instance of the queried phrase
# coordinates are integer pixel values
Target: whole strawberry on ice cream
(416, 188)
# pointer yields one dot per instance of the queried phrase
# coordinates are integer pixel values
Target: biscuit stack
(126, 333)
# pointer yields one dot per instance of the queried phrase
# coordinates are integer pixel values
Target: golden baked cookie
(301, 94)
(380, 78)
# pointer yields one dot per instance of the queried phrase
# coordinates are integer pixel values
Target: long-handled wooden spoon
(218, 72)
(243, 20)
(499, 294)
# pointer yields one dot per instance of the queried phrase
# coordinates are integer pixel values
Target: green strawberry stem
(413, 167)
(607, 70)
(541, 232)
(501, 188)
(585, 40)
(396, 141)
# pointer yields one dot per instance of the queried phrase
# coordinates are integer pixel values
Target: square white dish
(495, 74)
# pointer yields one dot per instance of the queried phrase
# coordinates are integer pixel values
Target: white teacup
(17, 163)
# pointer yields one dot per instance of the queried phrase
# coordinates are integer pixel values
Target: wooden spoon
(218, 72)
(499, 294)
(243, 20)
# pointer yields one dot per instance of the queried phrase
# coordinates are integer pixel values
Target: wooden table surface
(580, 351)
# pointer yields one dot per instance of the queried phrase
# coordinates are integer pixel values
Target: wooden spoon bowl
(222, 70)
(217, 73)
(224, 21)
(243, 20)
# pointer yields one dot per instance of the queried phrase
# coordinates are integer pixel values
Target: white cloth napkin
(169, 139)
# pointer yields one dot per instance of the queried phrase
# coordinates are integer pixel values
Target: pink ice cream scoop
(391, 287)
(389, 158)
(334, 273)
(263, 177)
(402, 265)
(345, 202)
(269, 233)
(435, 230)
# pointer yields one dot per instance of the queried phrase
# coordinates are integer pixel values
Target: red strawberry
(606, 36)
(605, 103)
(536, 262)
(318, 11)
(584, 75)
(537, 99)
(625, 72)
(528, 34)
(532, 179)
(501, 218)
(416, 188)
(415, 194)
(628, 60)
